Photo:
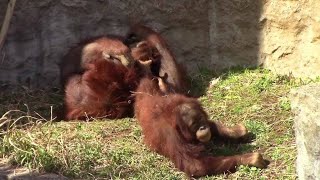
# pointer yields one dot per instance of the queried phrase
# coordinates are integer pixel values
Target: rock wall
(282, 35)
(42, 31)
(234, 33)
(305, 102)
(290, 39)
(3, 5)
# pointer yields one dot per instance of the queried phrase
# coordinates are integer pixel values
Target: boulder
(305, 103)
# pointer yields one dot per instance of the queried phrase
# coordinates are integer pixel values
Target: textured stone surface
(290, 39)
(234, 32)
(283, 35)
(305, 102)
(42, 31)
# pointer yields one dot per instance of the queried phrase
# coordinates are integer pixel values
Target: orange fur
(165, 133)
(104, 90)
(166, 64)
(87, 51)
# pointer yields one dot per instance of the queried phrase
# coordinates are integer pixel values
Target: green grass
(114, 149)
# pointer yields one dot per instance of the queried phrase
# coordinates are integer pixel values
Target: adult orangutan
(104, 90)
(99, 76)
(177, 127)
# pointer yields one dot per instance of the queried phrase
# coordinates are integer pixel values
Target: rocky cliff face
(280, 35)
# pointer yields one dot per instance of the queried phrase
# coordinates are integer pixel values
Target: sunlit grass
(114, 149)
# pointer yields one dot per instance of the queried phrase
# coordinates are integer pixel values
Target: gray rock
(305, 102)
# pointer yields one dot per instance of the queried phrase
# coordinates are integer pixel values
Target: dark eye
(194, 125)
